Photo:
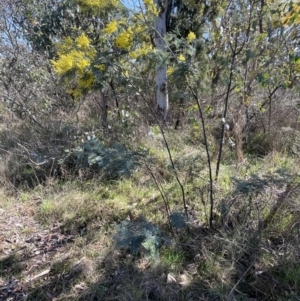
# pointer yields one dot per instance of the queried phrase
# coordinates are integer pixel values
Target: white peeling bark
(162, 98)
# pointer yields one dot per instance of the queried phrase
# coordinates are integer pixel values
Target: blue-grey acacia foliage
(113, 161)
(140, 237)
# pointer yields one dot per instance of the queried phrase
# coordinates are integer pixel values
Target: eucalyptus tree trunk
(162, 98)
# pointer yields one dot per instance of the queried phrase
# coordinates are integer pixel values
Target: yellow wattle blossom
(73, 59)
(151, 7)
(83, 41)
(101, 67)
(111, 27)
(297, 66)
(138, 17)
(65, 45)
(68, 41)
(143, 50)
(148, 2)
(124, 39)
(82, 64)
(98, 3)
(139, 29)
(170, 70)
(134, 54)
(63, 64)
(181, 57)
(86, 81)
(125, 73)
(80, 60)
(191, 36)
